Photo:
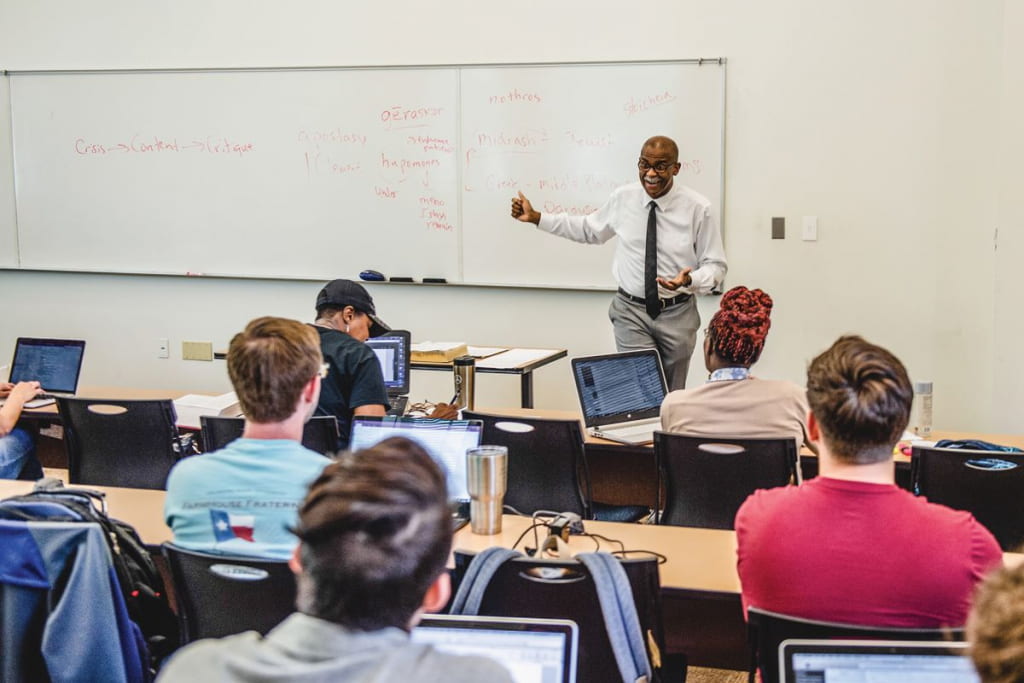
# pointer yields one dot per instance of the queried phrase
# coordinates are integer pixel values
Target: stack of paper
(436, 352)
(191, 406)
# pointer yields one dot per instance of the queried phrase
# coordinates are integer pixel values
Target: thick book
(436, 352)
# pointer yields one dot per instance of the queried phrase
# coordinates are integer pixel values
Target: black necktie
(651, 300)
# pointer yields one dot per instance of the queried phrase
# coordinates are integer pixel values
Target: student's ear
(294, 563)
(813, 430)
(438, 593)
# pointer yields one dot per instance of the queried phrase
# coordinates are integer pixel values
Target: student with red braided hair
(733, 402)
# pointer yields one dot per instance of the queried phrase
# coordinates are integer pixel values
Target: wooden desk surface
(697, 559)
(142, 508)
(494, 363)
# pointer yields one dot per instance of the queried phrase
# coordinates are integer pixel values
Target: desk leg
(526, 389)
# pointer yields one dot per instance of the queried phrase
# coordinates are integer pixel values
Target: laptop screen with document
(619, 387)
(54, 363)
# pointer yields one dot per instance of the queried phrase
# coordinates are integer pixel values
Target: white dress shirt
(688, 236)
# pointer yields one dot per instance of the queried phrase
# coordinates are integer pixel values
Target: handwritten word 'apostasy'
(331, 136)
(398, 116)
(138, 144)
(635, 106)
(434, 213)
(515, 95)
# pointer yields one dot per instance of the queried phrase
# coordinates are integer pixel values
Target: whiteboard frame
(701, 61)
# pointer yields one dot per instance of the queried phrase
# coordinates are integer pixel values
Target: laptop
(392, 351)
(533, 650)
(877, 661)
(621, 395)
(445, 440)
(54, 363)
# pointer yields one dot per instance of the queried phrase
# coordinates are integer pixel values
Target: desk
(496, 364)
(142, 508)
(700, 588)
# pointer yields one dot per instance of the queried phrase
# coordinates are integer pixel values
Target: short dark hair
(375, 532)
(269, 363)
(860, 395)
(995, 627)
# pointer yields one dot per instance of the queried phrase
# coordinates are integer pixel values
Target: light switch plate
(809, 232)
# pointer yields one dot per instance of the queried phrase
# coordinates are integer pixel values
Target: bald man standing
(669, 249)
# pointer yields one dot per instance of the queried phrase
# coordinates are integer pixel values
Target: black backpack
(141, 583)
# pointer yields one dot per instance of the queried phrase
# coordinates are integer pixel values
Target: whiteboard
(322, 173)
(8, 224)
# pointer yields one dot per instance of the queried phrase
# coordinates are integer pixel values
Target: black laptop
(54, 363)
(392, 351)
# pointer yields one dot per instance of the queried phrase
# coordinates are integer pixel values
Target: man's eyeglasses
(324, 367)
(659, 167)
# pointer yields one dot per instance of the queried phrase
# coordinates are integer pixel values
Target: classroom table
(506, 363)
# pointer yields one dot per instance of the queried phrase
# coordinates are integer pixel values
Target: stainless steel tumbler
(486, 479)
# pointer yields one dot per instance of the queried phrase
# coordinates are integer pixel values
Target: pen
(455, 397)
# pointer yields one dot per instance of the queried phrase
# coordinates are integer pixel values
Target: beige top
(752, 408)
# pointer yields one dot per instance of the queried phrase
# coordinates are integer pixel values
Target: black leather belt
(665, 303)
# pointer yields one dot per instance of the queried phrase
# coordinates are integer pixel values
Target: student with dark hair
(733, 402)
(850, 546)
(375, 534)
(242, 498)
(995, 627)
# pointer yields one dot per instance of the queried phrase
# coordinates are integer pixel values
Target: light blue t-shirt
(241, 499)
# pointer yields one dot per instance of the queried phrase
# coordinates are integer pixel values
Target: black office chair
(988, 484)
(113, 442)
(564, 589)
(767, 630)
(547, 469)
(320, 433)
(706, 479)
(219, 595)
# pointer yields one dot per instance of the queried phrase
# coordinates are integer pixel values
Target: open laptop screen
(392, 351)
(533, 650)
(619, 387)
(445, 440)
(54, 363)
(875, 661)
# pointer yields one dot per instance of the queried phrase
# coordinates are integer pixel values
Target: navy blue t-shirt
(354, 379)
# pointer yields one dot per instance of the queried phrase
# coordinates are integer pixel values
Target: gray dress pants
(673, 333)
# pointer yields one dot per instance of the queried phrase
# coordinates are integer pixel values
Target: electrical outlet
(193, 350)
(163, 348)
(810, 229)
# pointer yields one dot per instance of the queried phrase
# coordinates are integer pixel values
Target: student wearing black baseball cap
(354, 384)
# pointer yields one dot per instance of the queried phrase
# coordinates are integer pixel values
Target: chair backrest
(564, 589)
(113, 442)
(546, 466)
(320, 433)
(989, 485)
(767, 630)
(219, 595)
(706, 479)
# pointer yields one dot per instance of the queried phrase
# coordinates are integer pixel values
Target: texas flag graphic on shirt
(227, 526)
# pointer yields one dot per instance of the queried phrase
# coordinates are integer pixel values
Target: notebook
(621, 394)
(54, 363)
(533, 650)
(877, 661)
(445, 440)
(392, 351)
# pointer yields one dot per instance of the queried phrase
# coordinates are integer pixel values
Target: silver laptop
(875, 661)
(54, 363)
(533, 650)
(392, 350)
(621, 394)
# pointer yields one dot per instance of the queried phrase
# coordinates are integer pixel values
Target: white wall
(883, 119)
